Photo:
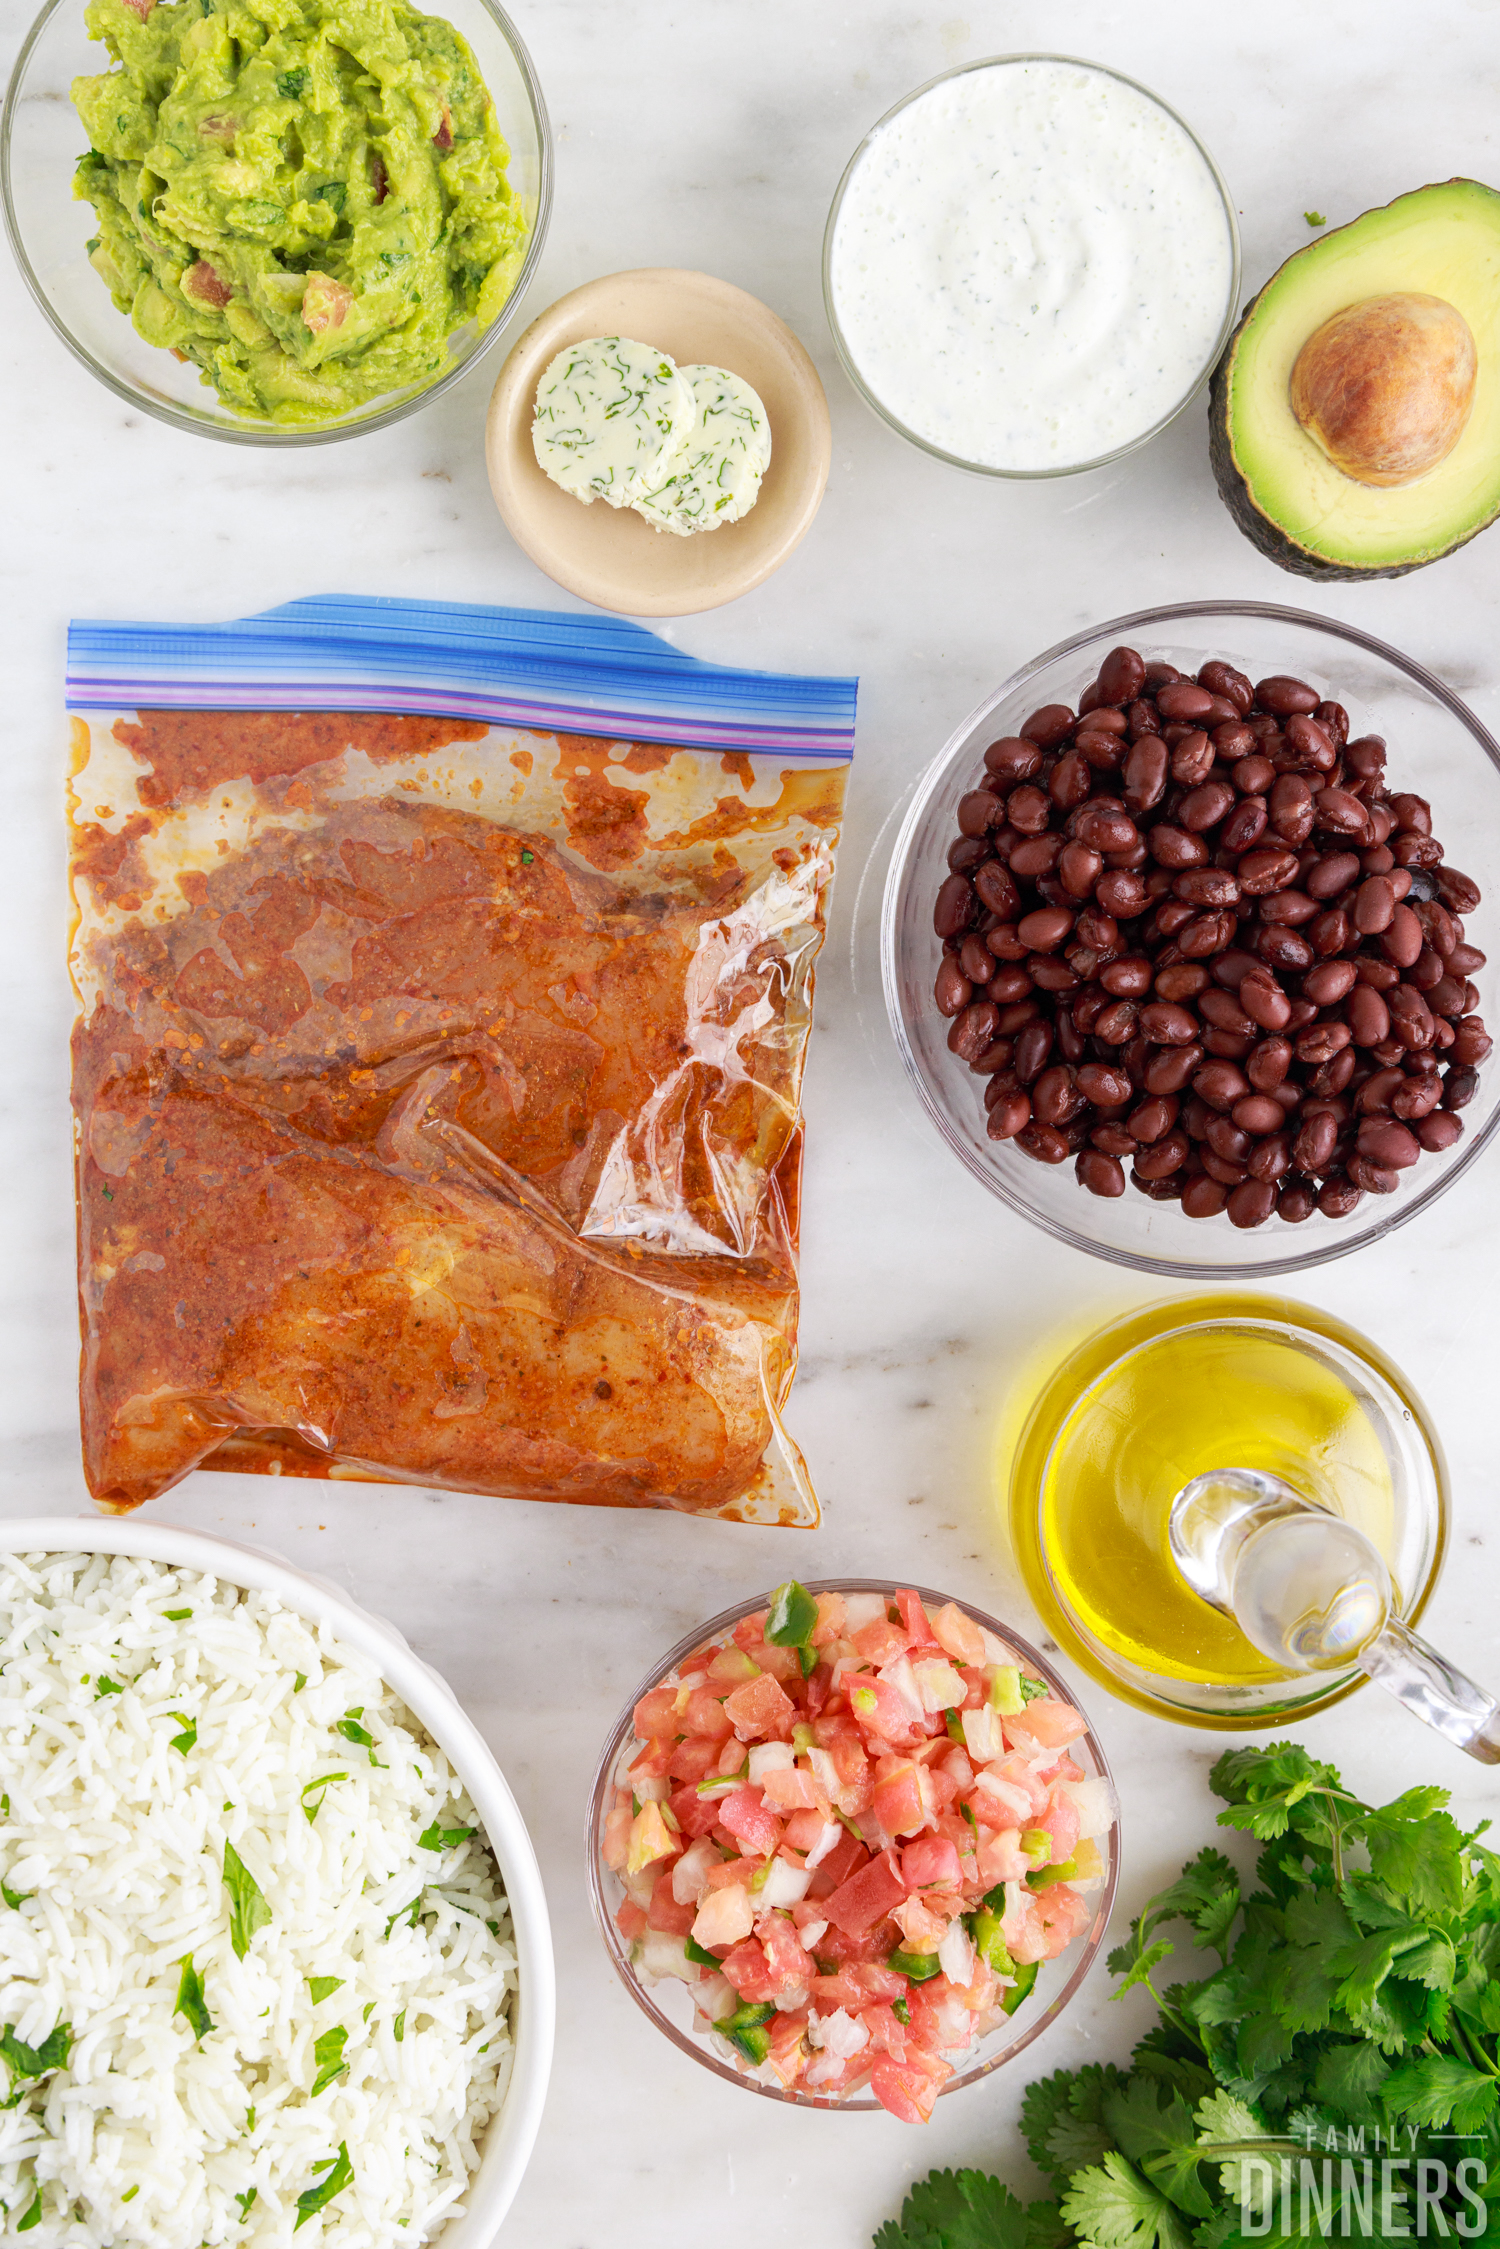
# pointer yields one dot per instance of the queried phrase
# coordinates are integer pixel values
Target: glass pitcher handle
(1434, 1691)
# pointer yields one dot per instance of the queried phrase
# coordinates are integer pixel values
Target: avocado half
(1276, 481)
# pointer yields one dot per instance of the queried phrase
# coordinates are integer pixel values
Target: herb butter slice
(610, 415)
(715, 476)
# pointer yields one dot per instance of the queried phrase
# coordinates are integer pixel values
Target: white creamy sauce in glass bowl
(1031, 265)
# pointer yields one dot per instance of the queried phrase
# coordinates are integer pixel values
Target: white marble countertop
(712, 136)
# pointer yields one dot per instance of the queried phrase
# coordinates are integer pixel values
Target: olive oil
(1164, 1396)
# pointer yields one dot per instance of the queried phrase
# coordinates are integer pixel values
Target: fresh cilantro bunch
(1356, 2005)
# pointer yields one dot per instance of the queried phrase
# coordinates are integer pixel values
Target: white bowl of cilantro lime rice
(274, 1954)
(276, 221)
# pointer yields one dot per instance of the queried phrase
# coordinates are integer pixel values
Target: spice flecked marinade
(437, 1095)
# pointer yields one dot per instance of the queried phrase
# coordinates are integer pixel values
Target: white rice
(117, 1841)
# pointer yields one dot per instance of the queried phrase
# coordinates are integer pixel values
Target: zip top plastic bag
(445, 977)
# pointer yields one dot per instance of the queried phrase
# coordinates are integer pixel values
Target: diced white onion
(982, 1735)
(784, 1884)
(844, 2034)
(820, 1850)
(1094, 1803)
(995, 1651)
(716, 1997)
(809, 1934)
(826, 1773)
(690, 1873)
(861, 1609)
(899, 1674)
(655, 1790)
(1007, 1795)
(770, 1757)
(662, 1955)
(956, 1952)
(939, 1685)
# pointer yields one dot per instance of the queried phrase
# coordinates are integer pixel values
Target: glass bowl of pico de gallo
(853, 1845)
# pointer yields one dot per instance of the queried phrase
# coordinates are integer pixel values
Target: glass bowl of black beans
(1182, 940)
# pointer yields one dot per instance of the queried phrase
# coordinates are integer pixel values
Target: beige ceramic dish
(611, 556)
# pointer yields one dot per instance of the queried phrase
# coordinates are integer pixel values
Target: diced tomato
(940, 2021)
(831, 1729)
(788, 2054)
(803, 1831)
(782, 1663)
(868, 1896)
(750, 1629)
(724, 1918)
(731, 1874)
(695, 1815)
(903, 1800)
(1000, 1856)
(789, 1789)
(887, 2035)
(617, 1837)
(856, 1780)
(749, 1971)
(694, 1759)
(705, 1715)
(879, 1710)
(876, 1980)
(880, 1640)
(1052, 1723)
(959, 1635)
(846, 1857)
(654, 1761)
(656, 1713)
(909, 2087)
(942, 1787)
(919, 1632)
(830, 1624)
(1016, 1773)
(930, 1862)
(743, 1813)
(922, 1928)
(875, 1944)
(630, 1920)
(815, 1688)
(761, 1710)
(1060, 1819)
(977, 1687)
(788, 1964)
(1061, 1916)
(828, 1993)
(665, 1913)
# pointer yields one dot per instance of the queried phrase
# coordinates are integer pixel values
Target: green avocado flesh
(1279, 485)
(306, 198)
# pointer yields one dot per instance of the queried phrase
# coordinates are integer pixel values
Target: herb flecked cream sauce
(1031, 265)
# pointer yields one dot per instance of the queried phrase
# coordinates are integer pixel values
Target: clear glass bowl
(1438, 749)
(667, 2003)
(41, 140)
(1382, 1468)
(985, 468)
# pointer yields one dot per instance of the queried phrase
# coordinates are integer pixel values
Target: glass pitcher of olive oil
(1166, 1395)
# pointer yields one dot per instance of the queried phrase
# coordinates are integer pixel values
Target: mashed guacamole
(304, 197)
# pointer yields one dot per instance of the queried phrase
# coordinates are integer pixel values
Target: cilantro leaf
(1162, 2138)
(957, 2210)
(351, 1729)
(1110, 2206)
(1433, 2089)
(188, 1738)
(1063, 2119)
(1416, 1851)
(248, 1910)
(27, 2063)
(437, 1838)
(1262, 1787)
(328, 2054)
(313, 1793)
(340, 2172)
(321, 1986)
(190, 2001)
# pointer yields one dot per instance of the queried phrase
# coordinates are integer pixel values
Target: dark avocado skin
(1258, 528)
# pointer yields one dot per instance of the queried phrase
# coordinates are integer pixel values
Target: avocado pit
(1386, 386)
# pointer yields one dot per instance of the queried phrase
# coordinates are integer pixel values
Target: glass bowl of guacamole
(278, 222)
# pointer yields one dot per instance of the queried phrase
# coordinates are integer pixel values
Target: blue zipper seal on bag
(540, 670)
